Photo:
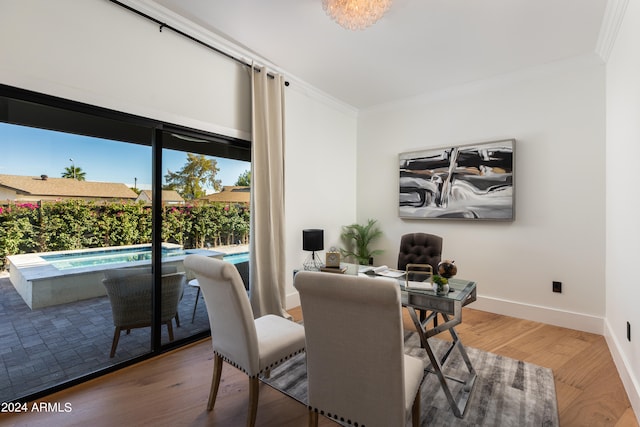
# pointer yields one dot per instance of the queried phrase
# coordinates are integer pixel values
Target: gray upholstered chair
(116, 273)
(356, 367)
(253, 346)
(131, 300)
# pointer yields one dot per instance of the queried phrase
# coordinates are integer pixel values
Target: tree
(74, 172)
(244, 179)
(197, 173)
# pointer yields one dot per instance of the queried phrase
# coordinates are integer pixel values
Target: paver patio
(44, 347)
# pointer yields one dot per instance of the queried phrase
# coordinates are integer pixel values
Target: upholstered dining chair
(252, 345)
(356, 367)
(131, 301)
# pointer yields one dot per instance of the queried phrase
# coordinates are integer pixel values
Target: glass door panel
(72, 228)
(205, 205)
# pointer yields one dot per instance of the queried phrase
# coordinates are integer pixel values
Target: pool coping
(40, 284)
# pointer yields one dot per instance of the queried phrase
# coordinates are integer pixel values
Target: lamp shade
(313, 239)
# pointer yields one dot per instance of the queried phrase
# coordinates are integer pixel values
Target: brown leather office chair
(420, 248)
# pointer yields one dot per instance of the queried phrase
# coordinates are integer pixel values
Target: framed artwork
(474, 181)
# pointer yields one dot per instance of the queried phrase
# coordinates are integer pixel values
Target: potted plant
(358, 238)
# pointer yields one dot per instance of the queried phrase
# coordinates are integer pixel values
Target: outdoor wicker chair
(131, 301)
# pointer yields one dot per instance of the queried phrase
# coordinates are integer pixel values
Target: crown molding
(153, 9)
(611, 23)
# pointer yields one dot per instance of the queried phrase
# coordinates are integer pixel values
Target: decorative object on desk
(419, 276)
(313, 240)
(508, 392)
(340, 270)
(472, 181)
(357, 239)
(332, 258)
(441, 285)
(447, 269)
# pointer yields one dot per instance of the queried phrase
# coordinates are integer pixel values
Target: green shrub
(74, 224)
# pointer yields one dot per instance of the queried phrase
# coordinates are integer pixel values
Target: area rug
(507, 392)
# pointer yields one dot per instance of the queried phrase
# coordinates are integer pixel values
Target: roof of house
(231, 194)
(167, 196)
(66, 187)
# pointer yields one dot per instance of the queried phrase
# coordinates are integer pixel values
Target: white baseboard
(551, 316)
(631, 385)
(293, 300)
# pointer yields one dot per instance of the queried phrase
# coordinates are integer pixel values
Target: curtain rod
(190, 37)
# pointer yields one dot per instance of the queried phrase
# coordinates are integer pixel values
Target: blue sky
(34, 152)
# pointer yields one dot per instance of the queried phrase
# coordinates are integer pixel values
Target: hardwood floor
(172, 390)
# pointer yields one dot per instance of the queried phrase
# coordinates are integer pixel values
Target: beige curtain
(267, 262)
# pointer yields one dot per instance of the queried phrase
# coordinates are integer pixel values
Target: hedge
(74, 224)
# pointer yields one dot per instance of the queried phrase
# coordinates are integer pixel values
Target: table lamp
(313, 240)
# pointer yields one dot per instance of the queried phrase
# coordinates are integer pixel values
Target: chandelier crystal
(356, 14)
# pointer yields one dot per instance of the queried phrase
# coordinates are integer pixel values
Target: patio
(44, 347)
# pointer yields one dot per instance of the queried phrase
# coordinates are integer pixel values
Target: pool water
(237, 258)
(81, 259)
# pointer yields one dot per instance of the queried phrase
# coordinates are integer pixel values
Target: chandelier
(356, 14)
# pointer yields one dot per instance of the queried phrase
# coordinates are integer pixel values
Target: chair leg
(177, 320)
(116, 338)
(254, 384)
(170, 330)
(215, 382)
(313, 418)
(195, 305)
(415, 410)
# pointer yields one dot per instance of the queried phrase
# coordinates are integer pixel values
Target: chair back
(233, 330)
(131, 299)
(420, 248)
(115, 273)
(355, 347)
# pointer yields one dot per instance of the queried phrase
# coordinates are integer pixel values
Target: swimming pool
(237, 258)
(51, 278)
(92, 257)
(86, 258)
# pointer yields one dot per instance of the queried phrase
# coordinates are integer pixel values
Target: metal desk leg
(460, 405)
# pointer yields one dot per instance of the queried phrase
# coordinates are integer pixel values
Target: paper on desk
(385, 271)
(419, 285)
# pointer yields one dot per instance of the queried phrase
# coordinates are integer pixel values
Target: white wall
(320, 177)
(556, 115)
(623, 201)
(99, 53)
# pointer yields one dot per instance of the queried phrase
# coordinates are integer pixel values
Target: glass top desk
(462, 292)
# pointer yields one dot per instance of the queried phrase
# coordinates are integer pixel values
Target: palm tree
(74, 172)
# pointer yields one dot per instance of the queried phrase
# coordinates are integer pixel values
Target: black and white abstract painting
(473, 181)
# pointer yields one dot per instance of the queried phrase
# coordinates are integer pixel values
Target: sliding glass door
(97, 211)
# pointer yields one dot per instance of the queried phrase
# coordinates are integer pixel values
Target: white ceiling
(419, 46)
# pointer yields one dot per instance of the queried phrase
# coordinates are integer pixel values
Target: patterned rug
(507, 392)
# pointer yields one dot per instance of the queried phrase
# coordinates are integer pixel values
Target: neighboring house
(18, 188)
(169, 197)
(231, 194)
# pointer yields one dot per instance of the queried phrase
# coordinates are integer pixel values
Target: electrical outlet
(628, 331)
(557, 286)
